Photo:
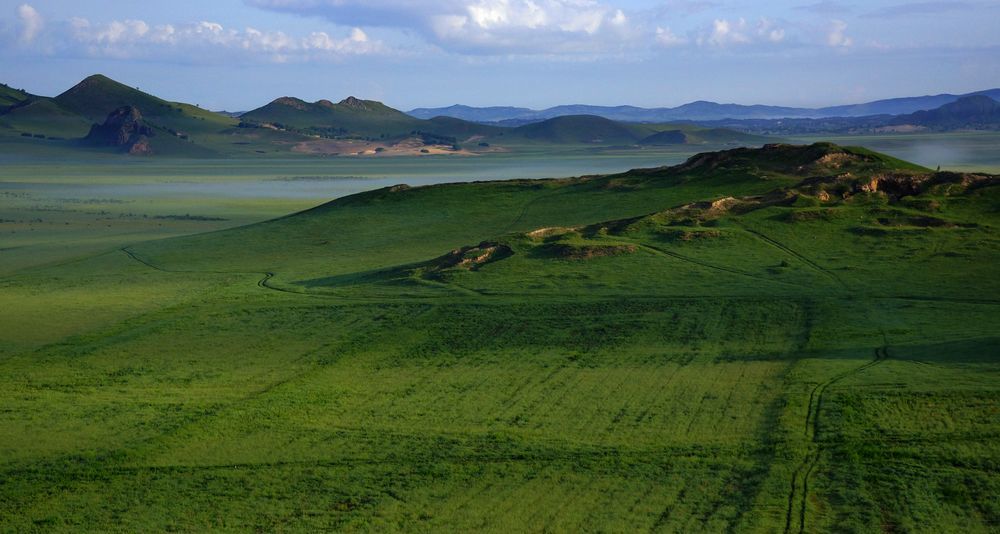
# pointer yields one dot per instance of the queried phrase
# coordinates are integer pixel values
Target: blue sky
(239, 54)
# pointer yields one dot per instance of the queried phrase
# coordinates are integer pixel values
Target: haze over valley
(499, 266)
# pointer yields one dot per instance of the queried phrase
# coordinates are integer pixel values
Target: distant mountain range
(976, 112)
(103, 115)
(695, 111)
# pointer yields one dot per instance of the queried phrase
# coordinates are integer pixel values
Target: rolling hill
(45, 117)
(783, 339)
(10, 96)
(978, 112)
(351, 116)
(97, 96)
(591, 129)
(584, 129)
(181, 129)
(971, 112)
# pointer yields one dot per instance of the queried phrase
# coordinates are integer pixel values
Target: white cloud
(665, 37)
(484, 26)
(31, 23)
(769, 31)
(838, 36)
(205, 40)
(725, 33)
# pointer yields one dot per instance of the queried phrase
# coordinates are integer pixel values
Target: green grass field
(609, 353)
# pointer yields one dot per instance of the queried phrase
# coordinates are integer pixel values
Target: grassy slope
(69, 116)
(370, 118)
(10, 96)
(687, 383)
(43, 116)
(582, 129)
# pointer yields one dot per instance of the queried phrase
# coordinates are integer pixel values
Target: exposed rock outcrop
(355, 103)
(125, 129)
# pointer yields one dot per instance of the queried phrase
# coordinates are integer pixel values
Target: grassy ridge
(352, 116)
(673, 349)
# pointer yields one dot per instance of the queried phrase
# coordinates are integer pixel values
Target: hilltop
(351, 116)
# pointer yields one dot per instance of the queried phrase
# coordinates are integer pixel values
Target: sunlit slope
(401, 224)
(10, 96)
(178, 129)
(45, 117)
(351, 116)
(778, 220)
(97, 96)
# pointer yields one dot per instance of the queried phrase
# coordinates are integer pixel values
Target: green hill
(459, 128)
(591, 129)
(585, 129)
(973, 112)
(666, 137)
(351, 116)
(783, 339)
(45, 117)
(97, 96)
(181, 129)
(438, 215)
(10, 96)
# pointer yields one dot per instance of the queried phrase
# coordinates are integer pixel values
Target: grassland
(607, 353)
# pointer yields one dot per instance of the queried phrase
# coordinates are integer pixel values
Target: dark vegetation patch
(582, 251)
(685, 235)
(810, 215)
(189, 217)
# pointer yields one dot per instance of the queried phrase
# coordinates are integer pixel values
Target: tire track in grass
(662, 252)
(264, 283)
(815, 266)
(524, 210)
(798, 496)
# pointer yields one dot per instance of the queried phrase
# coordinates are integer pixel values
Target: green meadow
(745, 341)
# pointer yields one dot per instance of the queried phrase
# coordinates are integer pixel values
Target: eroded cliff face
(125, 129)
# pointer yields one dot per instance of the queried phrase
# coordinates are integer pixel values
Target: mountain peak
(975, 103)
(355, 103)
(94, 82)
(290, 101)
(97, 95)
(96, 78)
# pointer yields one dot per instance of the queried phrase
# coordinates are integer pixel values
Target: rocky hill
(124, 129)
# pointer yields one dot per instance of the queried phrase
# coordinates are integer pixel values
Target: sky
(240, 54)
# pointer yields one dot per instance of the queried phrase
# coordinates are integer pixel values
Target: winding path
(798, 496)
